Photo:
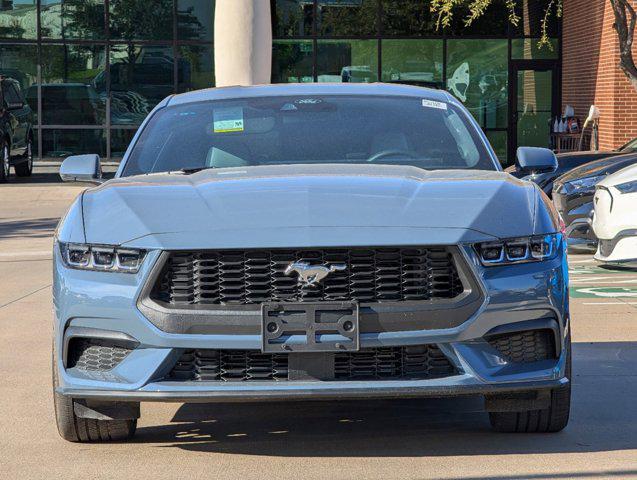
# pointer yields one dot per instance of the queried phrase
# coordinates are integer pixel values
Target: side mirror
(82, 168)
(533, 160)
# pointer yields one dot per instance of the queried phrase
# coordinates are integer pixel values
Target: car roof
(384, 89)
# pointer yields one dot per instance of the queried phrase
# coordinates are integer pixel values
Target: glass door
(533, 104)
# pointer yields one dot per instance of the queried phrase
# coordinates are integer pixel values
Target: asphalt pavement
(408, 439)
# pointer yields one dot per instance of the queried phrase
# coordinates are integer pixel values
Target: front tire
(25, 169)
(75, 429)
(5, 166)
(548, 420)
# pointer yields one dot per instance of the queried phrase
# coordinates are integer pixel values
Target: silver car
(309, 242)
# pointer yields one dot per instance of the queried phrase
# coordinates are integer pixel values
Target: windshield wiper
(189, 170)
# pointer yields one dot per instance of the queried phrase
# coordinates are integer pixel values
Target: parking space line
(25, 296)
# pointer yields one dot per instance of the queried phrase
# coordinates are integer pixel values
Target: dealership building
(91, 70)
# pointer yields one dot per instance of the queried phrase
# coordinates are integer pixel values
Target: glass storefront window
(141, 76)
(70, 75)
(534, 107)
(18, 19)
(414, 62)
(195, 68)
(141, 19)
(60, 143)
(532, 13)
(347, 17)
(73, 19)
(408, 18)
(291, 18)
(292, 61)
(20, 63)
(493, 22)
(120, 140)
(477, 74)
(530, 49)
(352, 61)
(195, 19)
(498, 140)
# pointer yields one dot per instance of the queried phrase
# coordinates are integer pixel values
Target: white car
(615, 218)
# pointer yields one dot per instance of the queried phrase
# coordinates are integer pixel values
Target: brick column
(590, 70)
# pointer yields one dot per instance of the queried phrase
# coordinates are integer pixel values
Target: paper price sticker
(227, 120)
(434, 104)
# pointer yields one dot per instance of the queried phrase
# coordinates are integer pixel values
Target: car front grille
(236, 277)
(384, 363)
(525, 347)
(96, 355)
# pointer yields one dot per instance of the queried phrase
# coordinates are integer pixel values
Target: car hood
(625, 175)
(300, 205)
(599, 167)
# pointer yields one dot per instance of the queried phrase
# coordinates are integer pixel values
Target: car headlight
(101, 257)
(519, 250)
(582, 185)
(628, 187)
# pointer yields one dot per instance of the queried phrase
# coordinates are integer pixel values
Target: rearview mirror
(533, 160)
(82, 168)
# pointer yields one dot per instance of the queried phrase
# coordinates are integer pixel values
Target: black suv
(16, 131)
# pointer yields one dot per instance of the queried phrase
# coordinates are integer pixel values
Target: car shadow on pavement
(604, 418)
(29, 228)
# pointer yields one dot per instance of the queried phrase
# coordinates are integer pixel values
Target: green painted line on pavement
(604, 292)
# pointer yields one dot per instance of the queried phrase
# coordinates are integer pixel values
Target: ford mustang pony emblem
(311, 275)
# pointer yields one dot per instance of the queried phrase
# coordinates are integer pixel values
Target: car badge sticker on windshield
(433, 104)
(227, 120)
(308, 101)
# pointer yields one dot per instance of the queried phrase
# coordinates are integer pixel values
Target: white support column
(243, 42)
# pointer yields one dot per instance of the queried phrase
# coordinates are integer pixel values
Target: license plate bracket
(310, 327)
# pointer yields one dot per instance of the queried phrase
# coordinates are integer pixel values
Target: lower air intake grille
(230, 365)
(415, 362)
(96, 354)
(525, 347)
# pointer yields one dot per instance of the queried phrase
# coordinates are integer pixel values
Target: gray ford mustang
(309, 242)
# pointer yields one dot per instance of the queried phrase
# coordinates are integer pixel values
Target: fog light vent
(94, 354)
(525, 347)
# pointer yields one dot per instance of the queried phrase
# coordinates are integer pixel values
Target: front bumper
(266, 391)
(528, 296)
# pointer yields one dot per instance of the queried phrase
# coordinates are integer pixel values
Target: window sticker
(434, 104)
(227, 120)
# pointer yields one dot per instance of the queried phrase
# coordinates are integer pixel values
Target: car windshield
(629, 147)
(308, 130)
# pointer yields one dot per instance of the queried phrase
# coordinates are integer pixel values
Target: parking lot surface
(404, 439)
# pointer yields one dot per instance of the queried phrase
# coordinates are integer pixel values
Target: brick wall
(590, 72)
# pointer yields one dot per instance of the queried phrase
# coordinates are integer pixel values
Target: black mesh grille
(256, 276)
(230, 365)
(415, 362)
(525, 347)
(95, 354)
